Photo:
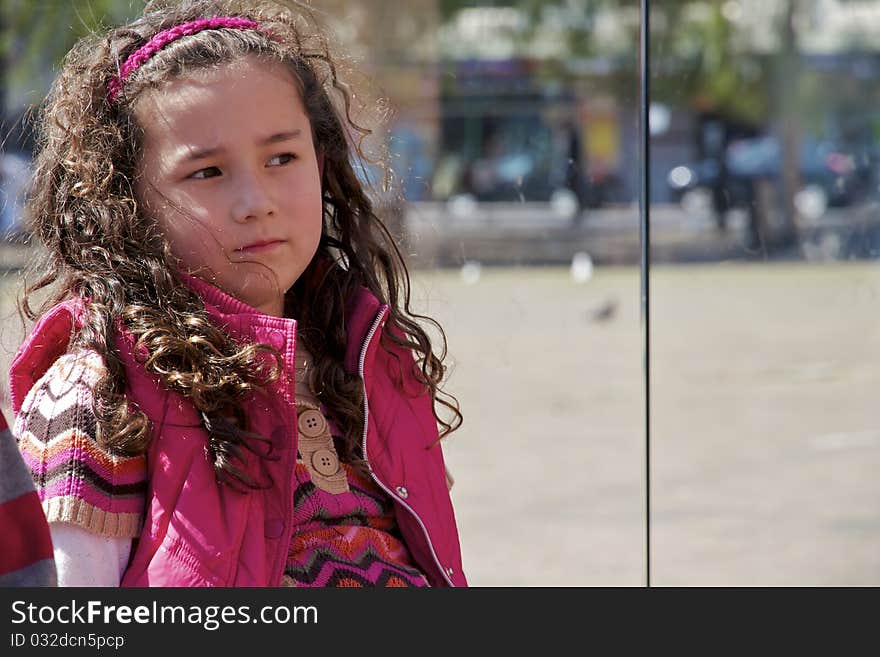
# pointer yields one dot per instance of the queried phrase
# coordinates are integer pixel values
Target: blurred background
(511, 130)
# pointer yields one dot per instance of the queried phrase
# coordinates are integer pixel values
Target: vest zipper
(291, 398)
(415, 515)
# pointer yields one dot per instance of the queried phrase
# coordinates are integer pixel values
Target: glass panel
(764, 340)
(512, 137)
(514, 140)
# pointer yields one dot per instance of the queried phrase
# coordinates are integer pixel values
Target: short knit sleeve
(78, 481)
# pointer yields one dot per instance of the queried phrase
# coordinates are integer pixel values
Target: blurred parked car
(521, 147)
(834, 175)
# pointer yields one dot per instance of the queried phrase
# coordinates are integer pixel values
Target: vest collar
(243, 321)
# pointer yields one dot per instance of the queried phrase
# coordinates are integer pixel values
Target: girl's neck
(274, 308)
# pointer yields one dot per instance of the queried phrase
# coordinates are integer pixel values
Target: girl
(226, 386)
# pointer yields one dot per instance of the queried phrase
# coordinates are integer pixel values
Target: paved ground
(765, 432)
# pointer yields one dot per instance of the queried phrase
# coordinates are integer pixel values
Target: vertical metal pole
(644, 224)
(4, 70)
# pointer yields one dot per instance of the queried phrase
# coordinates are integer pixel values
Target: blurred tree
(35, 35)
(695, 55)
(572, 24)
(701, 55)
(788, 72)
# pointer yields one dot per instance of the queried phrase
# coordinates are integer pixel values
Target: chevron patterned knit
(77, 481)
(342, 540)
(346, 539)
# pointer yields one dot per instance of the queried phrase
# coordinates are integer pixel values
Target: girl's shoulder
(78, 480)
(69, 380)
(85, 366)
(49, 340)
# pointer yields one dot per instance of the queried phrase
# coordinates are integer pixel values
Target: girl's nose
(252, 200)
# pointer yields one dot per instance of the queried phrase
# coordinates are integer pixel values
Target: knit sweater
(345, 539)
(77, 480)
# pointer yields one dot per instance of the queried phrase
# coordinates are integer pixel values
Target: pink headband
(163, 38)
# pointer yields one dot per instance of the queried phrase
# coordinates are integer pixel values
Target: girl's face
(230, 172)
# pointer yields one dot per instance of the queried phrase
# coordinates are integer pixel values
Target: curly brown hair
(101, 245)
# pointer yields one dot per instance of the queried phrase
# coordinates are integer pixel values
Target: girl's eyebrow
(205, 153)
(281, 136)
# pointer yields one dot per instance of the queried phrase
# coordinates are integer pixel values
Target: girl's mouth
(261, 247)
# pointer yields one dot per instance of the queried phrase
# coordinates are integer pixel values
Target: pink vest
(198, 533)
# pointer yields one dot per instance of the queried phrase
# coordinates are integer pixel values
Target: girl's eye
(281, 160)
(208, 172)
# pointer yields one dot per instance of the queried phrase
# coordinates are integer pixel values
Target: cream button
(402, 491)
(450, 572)
(325, 462)
(311, 423)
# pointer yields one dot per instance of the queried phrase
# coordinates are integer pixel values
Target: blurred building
(490, 103)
